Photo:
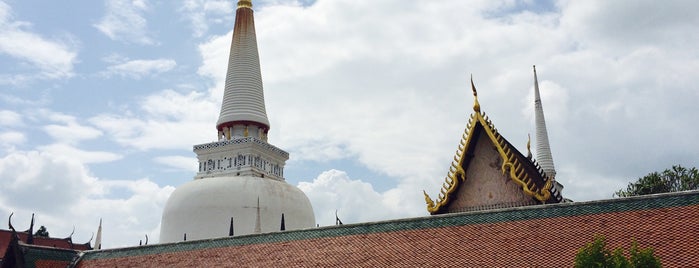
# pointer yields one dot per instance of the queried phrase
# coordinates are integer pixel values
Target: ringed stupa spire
(543, 149)
(243, 110)
(241, 170)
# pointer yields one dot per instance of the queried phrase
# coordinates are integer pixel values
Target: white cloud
(11, 138)
(612, 26)
(374, 81)
(167, 120)
(203, 13)
(53, 182)
(57, 188)
(179, 162)
(70, 131)
(355, 200)
(10, 118)
(54, 59)
(140, 68)
(125, 21)
(214, 53)
(82, 156)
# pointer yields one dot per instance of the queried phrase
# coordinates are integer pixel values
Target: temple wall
(486, 186)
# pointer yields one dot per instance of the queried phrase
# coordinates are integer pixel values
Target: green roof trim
(33, 253)
(649, 202)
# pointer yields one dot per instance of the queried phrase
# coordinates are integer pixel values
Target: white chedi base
(203, 208)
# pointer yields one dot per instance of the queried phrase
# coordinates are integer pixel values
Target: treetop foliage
(596, 254)
(42, 232)
(675, 179)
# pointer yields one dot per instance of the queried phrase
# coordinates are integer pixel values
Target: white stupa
(240, 187)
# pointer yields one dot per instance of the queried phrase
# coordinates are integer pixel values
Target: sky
(102, 101)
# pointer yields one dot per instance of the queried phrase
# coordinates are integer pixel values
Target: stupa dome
(240, 183)
(203, 208)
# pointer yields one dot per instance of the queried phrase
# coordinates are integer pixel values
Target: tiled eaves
(690, 198)
(34, 253)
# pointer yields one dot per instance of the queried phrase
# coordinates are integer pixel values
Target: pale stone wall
(486, 186)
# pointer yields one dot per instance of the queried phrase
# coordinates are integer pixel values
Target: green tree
(675, 179)
(42, 232)
(596, 255)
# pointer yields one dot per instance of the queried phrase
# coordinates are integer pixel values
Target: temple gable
(488, 172)
(486, 186)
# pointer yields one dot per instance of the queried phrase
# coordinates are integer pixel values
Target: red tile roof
(66, 243)
(535, 236)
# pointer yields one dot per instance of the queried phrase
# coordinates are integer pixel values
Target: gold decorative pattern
(245, 3)
(512, 166)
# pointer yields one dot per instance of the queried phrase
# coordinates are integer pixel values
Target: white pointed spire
(98, 239)
(243, 108)
(543, 149)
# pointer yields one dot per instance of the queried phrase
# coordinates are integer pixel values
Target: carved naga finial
(428, 200)
(476, 105)
(9, 222)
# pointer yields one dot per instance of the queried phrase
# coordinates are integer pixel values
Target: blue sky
(101, 101)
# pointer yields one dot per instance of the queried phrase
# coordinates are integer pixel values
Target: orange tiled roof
(66, 243)
(532, 236)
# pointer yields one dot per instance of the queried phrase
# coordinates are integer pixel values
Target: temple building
(489, 172)
(240, 187)
(497, 206)
(26, 249)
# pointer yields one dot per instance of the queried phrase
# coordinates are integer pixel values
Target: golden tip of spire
(476, 105)
(245, 3)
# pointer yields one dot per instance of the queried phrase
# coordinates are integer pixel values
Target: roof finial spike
(529, 146)
(337, 219)
(283, 225)
(30, 235)
(72, 233)
(230, 229)
(98, 239)
(476, 105)
(9, 222)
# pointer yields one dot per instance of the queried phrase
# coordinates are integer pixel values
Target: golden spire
(476, 105)
(245, 3)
